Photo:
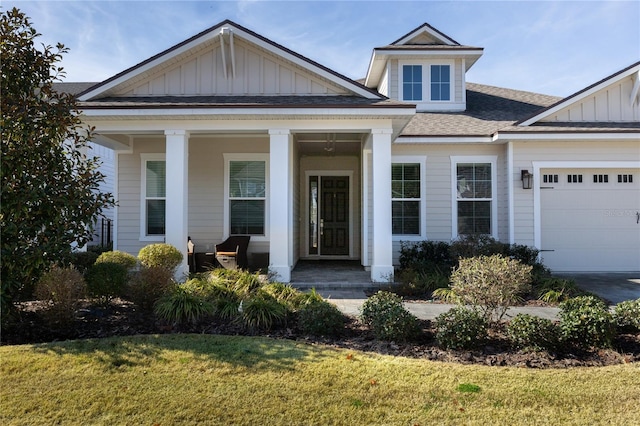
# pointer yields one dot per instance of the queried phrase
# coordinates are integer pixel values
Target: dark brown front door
(334, 215)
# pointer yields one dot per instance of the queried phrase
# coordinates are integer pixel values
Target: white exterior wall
(439, 191)
(206, 189)
(107, 168)
(526, 152)
(256, 73)
(611, 103)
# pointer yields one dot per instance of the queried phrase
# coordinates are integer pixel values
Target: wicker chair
(232, 253)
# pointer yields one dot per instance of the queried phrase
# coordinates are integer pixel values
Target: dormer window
(426, 82)
(412, 82)
(440, 82)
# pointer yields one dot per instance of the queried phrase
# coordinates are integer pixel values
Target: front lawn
(205, 379)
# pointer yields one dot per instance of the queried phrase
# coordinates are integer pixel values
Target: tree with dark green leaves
(50, 195)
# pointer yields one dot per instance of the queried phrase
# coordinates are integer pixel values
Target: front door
(329, 216)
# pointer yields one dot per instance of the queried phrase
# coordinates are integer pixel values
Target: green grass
(204, 379)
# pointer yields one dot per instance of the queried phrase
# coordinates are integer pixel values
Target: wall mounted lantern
(527, 179)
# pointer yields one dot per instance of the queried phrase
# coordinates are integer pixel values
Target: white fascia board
(257, 112)
(577, 136)
(425, 29)
(580, 96)
(443, 139)
(247, 125)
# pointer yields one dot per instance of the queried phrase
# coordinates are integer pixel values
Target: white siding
(107, 168)
(206, 188)
(256, 73)
(609, 104)
(439, 191)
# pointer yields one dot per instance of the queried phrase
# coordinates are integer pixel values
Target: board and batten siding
(525, 153)
(609, 104)
(256, 73)
(206, 188)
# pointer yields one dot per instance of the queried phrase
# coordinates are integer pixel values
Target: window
(574, 178)
(550, 178)
(153, 187)
(246, 194)
(424, 81)
(440, 83)
(625, 178)
(600, 178)
(474, 210)
(412, 82)
(405, 198)
(408, 177)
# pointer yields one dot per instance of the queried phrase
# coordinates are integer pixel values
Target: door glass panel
(313, 215)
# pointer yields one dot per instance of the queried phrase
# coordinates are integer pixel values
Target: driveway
(614, 287)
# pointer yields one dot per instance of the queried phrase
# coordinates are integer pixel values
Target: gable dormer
(425, 67)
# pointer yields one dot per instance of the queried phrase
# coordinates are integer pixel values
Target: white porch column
(382, 262)
(280, 208)
(177, 194)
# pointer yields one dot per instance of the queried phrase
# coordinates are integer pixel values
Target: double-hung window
(474, 200)
(246, 194)
(153, 212)
(407, 197)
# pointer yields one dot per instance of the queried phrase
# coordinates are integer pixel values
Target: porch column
(280, 204)
(177, 194)
(382, 262)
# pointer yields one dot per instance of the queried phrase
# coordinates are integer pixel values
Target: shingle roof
(72, 88)
(489, 109)
(242, 102)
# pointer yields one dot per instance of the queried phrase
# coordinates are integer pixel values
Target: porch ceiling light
(527, 179)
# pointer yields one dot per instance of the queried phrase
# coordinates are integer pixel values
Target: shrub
(262, 311)
(321, 318)
(106, 280)
(120, 257)
(555, 290)
(426, 256)
(420, 283)
(461, 328)
(161, 256)
(62, 288)
(477, 245)
(148, 285)
(83, 260)
(627, 316)
(388, 318)
(530, 332)
(181, 305)
(586, 323)
(493, 283)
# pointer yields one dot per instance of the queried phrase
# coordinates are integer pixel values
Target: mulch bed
(122, 318)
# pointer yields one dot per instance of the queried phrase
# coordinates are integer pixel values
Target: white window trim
(144, 158)
(422, 160)
(455, 160)
(426, 80)
(228, 157)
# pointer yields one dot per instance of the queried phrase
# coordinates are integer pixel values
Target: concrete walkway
(349, 301)
(344, 283)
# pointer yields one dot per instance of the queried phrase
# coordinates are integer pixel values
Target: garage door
(590, 219)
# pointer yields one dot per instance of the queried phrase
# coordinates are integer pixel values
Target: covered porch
(302, 192)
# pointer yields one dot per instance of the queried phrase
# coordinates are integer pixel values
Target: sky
(550, 47)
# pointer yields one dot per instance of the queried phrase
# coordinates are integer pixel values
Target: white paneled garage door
(590, 219)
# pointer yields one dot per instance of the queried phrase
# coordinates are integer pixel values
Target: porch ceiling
(329, 144)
